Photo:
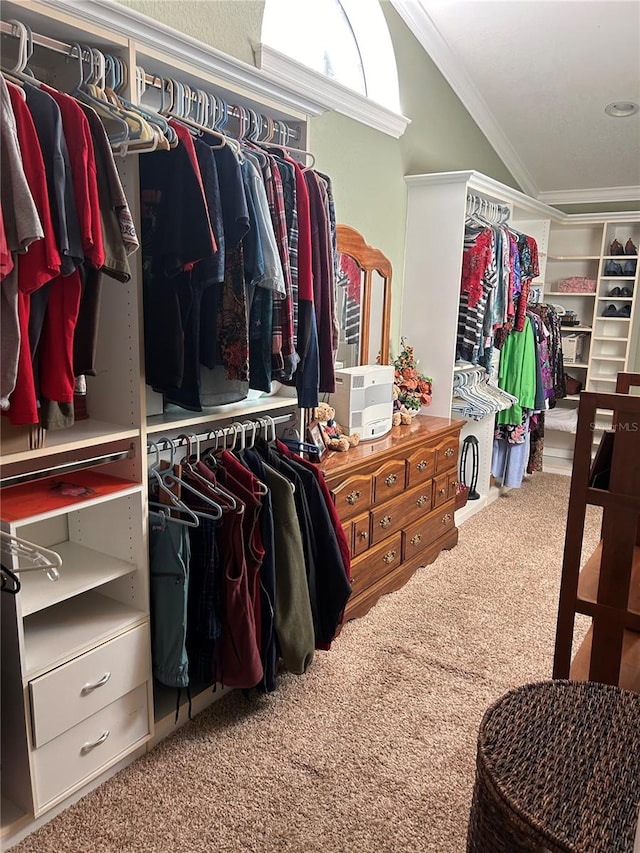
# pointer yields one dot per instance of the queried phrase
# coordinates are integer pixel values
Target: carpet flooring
(374, 748)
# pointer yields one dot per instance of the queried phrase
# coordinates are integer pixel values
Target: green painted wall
(228, 25)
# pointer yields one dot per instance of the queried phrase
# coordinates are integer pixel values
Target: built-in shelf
(575, 364)
(575, 328)
(563, 293)
(175, 417)
(82, 569)
(607, 358)
(84, 433)
(55, 634)
(611, 379)
(608, 338)
(614, 319)
(615, 298)
(618, 277)
(574, 257)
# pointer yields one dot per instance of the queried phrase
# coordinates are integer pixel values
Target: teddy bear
(400, 414)
(334, 437)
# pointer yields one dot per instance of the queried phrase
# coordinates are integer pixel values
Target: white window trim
(329, 93)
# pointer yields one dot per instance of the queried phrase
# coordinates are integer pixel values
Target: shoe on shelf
(616, 248)
(626, 291)
(625, 311)
(610, 311)
(615, 292)
(612, 268)
(629, 267)
(630, 248)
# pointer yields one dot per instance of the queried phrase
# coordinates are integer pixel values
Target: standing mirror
(364, 300)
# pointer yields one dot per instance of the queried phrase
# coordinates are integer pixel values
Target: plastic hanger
(38, 557)
(155, 478)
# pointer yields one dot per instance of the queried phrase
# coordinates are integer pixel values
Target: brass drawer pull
(352, 497)
(363, 535)
(422, 500)
(390, 556)
(415, 540)
(442, 491)
(391, 479)
(454, 485)
(422, 465)
(446, 518)
(449, 452)
(385, 522)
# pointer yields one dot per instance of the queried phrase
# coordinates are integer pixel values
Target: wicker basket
(558, 769)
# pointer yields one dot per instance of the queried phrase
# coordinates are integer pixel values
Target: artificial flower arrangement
(414, 389)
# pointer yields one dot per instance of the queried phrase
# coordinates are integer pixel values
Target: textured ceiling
(536, 76)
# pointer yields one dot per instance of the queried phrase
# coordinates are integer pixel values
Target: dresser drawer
(447, 453)
(71, 693)
(440, 490)
(360, 534)
(352, 495)
(421, 465)
(376, 563)
(395, 514)
(425, 531)
(89, 747)
(388, 480)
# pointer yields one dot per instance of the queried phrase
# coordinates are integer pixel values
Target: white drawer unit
(89, 747)
(76, 658)
(75, 691)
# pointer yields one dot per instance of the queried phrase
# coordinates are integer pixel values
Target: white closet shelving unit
(78, 699)
(567, 244)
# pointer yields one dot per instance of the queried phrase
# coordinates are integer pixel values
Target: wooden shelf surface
(629, 665)
(590, 577)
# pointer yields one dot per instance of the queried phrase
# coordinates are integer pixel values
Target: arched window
(345, 40)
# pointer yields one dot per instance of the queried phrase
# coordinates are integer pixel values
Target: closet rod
(167, 443)
(156, 82)
(42, 41)
(77, 465)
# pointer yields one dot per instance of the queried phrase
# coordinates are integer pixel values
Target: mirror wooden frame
(351, 242)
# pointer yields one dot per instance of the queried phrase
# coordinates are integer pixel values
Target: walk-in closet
(303, 371)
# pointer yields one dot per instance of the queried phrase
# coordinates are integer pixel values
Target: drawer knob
(92, 685)
(446, 518)
(87, 747)
(449, 452)
(352, 497)
(454, 484)
(391, 479)
(422, 465)
(364, 535)
(390, 556)
(442, 491)
(385, 522)
(415, 540)
(422, 500)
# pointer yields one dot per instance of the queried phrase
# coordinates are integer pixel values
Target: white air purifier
(363, 400)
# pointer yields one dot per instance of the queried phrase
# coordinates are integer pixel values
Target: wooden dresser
(395, 497)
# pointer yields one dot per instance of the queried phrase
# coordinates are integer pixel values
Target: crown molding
(496, 191)
(592, 196)
(424, 29)
(332, 95)
(147, 32)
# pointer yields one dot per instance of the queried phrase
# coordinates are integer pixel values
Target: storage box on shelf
(607, 587)
(76, 669)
